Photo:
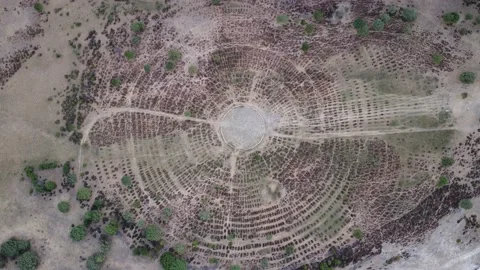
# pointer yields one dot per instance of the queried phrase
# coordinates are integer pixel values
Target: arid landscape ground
(248, 134)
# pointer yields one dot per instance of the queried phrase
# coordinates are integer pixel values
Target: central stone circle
(243, 127)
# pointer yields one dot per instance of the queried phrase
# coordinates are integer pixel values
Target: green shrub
(180, 249)
(385, 18)
(409, 14)
(127, 181)
(153, 233)
(309, 29)
(318, 16)
(50, 186)
(392, 10)
(112, 227)
(213, 260)
(28, 261)
(98, 204)
(174, 56)
(282, 19)
(363, 31)
(78, 233)
(378, 25)
(115, 82)
(47, 165)
(465, 204)
(437, 59)
(468, 17)
(204, 215)
(407, 28)
(167, 212)
(14, 247)
(3, 261)
(63, 206)
(169, 66)
(235, 267)
(305, 47)
(137, 26)
(443, 181)
(128, 217)
(129, 55)
(136, 40)
(289, 250)
(147, 68)
(357, 233)
(264, 263)
(359, 23)
(170, 262)
(467, 77)
(141, 251)
(216, 2)
(192, 70)
(451, 18)
(447, 161)
(84, 194)
(92, 216)
(38, 7)
(66, 168)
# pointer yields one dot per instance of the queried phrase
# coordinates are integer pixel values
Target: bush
(84, 194)
(112, 227)
(128, 217)
(447, 161)
(169, 66)
(407, 28)
(204, 215)
(71, 179)
(465, 204)
(409, 14)
(63, 206)
(141, 251)
(137, 26)
(443, 181)
(392, 10)
(359, 23)
(93, 216)
(115, 82)
(305, 47)
(98, 204)
(174, 56)
(136, 40)
(28, 261)
(13, 247)
(309, 29)
(66, 168)
(38, 7)
(468, 17)
(451, 18)
(216, 2)
(378, 25)
(47, 165)
(129, 55)
(235, 267)
(153, 233)
(50, 186)
(468, 77)
(180, 249)
(318, 16)
(357, 233)
(282, 19)
(78, 233)
(289, 250)
(437, 59)
(363, 31)
(385, 18)
(127, 181)
(192, 70)
(170, 262)
(147, 68)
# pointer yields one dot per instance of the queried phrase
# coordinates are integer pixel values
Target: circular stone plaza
(243, 127)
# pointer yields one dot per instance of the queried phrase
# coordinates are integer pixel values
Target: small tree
(137, 26)
(128, 217)
(309, 29)
(385, 18)
(50, 186)
(357, 233)
(282, 19)
(289, 250)
(235, 267)
(305, 47)
(437, 59)
(78, 233)
(447, 161)
(169, 66)
(66, 168)
(116, 82)
(153, 233)
(63, 206)
(359, 23)
(443, 181)
(216, 2)
(174, 56)
(467, 77)
(318, 16)
(112, 227)
(378, 25)
(147, 68)
(28, 261)
(9, 248)
(451, 18)
(363, 31)
(38, 7)
(180, 249)
(468, 16)
(465, 204)
(129, 55)
(127, 181)
(136, 40)
(409, 14)
(93, 216)
(84, 194)
(392, 10)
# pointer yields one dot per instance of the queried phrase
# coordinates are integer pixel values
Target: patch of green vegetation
(216, 59)
(92, 216)
(48, 165)
(38, 7)
(129, 55)
(95, 261)
(357, 233)
(465, 204)
(451, 18)
(264, 263)
(153, 233)
(447, 161)
(378, 25)
(216, 2)
(127, 181)
(137, 26)
(468, 17)
(63, 206)
(282, 19)
(141, 251)
(135, 40)
(289, 250)
(78, 233)
(28, 261)
(14, 247)
(50, 186)
(235, 267)
(204, 215)
(84, 194)
(66, 168)
(115, 82)
(443, 181)
(359, 23)
(467, 77)
(179, 249)
(147, 68)
(385, 18)
(305, 47)
(170, 262)
(409, 14)
(174, 56)
(112, 227)
(309, 29)
(169, 66)
(318, 15)
(192, 70)
(407, 28)
(213, 260)
(392, 10)
(231, 236)
(71, 179)
(269, 237)
(437, 59)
